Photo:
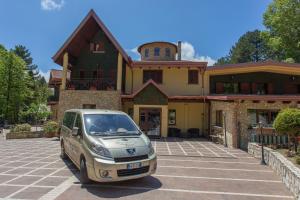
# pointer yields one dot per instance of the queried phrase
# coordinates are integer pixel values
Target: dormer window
(97, 47)
(168, 52)
(156, 51)
(146, 53)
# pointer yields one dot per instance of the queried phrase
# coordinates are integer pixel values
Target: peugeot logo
(131, 151)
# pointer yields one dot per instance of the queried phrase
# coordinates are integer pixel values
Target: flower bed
(24, 134)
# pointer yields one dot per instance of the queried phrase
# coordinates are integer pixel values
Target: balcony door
(150, 121)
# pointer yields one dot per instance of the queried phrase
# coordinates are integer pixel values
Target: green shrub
(298, 160)
(21, 128)
(50, 127)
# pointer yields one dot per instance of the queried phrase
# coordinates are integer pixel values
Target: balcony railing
(92, 84)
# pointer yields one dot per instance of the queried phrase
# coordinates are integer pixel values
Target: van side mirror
(75, 131)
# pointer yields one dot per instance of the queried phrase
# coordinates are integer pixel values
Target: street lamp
(225, 135)
(260, 125)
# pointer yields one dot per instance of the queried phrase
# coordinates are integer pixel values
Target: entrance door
(150, 121)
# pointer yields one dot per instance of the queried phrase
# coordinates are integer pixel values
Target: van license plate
(134, 165)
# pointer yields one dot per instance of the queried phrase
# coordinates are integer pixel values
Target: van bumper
(117, 171)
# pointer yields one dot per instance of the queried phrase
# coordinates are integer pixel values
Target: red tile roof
(56, 76)
(173, 64)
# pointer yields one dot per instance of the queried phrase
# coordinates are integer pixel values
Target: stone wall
(72, 99)
(238, 120)
(289, 173)
(229, 109)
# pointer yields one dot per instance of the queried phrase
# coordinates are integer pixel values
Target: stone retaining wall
(289, 173)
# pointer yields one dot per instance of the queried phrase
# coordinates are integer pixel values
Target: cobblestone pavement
(187, 169)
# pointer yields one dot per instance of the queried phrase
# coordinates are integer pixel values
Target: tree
(282, 20)
(287, 123)
(251, 47)
(13, 88)
(24, 53)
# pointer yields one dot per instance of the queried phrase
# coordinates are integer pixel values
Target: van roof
(95, 111)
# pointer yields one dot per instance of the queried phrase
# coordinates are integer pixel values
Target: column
(65, 71)
(119, 74)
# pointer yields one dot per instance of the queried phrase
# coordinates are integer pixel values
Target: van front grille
(129, 159)
(131, 172)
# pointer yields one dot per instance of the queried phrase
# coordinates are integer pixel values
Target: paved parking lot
(187, 169)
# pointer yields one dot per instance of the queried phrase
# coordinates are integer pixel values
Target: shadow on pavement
(124, 188)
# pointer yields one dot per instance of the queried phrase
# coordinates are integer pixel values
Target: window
(193, 77)
(261, 88)
(155, 75)
(168, 52)
(78, 124)
(89, 106)
(130, 112)
(219, 118)
(156, 51)
(81, 74)
(96, 47)
(68, 120)
(146, 53)
(172, 117)
(267, 117)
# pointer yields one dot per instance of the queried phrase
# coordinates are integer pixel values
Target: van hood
(122, 142)
(120, 146)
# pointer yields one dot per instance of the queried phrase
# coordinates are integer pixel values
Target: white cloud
(46, 74)
(52, 4)
(188, 53)
(134, 53)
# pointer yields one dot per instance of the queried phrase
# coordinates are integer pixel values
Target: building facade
(167, 96)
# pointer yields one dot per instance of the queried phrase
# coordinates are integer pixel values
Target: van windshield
(109, 125)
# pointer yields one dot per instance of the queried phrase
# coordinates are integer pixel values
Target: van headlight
(101, 151)
(151, 149)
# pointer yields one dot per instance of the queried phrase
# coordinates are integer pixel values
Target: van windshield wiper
(110, 133)
(125, 133)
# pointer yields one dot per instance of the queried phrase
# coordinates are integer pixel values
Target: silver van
(106, 145)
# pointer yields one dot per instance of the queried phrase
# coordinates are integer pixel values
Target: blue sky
(208, 28)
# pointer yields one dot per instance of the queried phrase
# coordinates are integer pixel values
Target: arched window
(146, 53)
(156, 51)
(168, 52)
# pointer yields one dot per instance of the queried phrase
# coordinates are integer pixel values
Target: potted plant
(50, 129)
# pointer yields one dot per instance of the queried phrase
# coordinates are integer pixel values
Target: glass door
(150, 121)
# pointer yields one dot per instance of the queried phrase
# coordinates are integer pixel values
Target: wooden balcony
(92, 84)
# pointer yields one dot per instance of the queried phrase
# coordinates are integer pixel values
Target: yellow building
(168, 96)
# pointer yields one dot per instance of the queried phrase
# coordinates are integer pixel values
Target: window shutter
(245, 88)
(219, 88)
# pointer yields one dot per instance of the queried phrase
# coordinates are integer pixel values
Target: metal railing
(269, 139)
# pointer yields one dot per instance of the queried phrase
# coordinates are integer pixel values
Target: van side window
(69, 118)
(78, 124)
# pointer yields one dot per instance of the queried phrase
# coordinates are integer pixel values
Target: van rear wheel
(83, 172)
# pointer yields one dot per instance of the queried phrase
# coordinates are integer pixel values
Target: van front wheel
(83, 172)
(63, 154)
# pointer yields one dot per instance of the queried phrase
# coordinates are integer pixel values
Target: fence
(269, 139)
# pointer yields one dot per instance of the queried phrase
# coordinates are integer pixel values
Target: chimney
(179, 50)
